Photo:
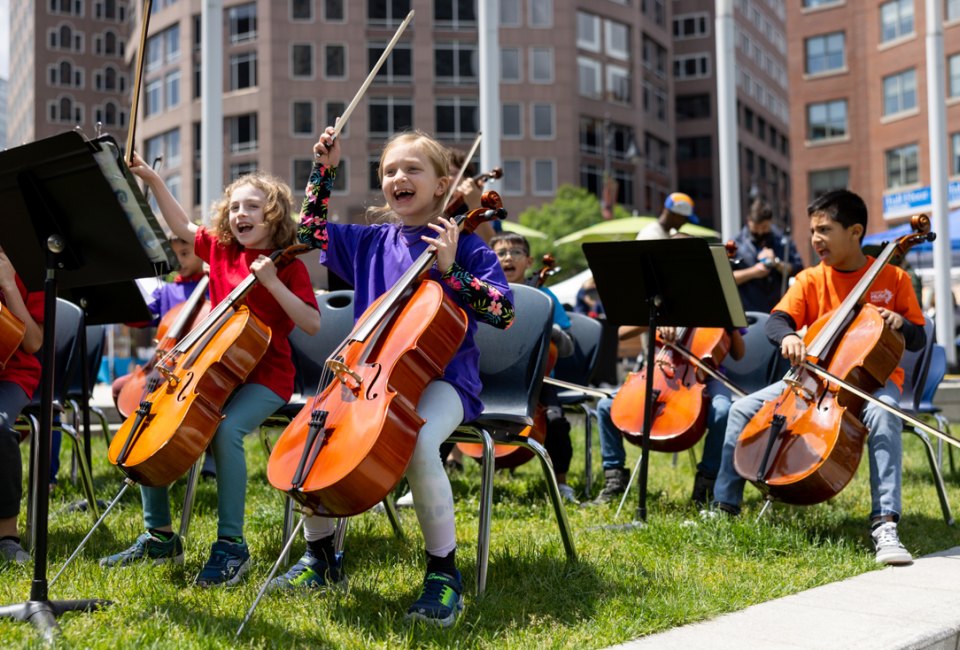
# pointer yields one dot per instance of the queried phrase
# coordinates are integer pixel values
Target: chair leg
(340, 534)
(553, 491)
(193, 478)
(86, 476)
(944, 425)
(937, 478)
(390, 508)
(482, 436)
(587, 449)
(288, 517)
(31, 494)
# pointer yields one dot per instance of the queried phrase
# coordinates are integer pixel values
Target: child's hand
(893, 320)
(327, 149)
(265, 270)
(141, 169)
(448, 232)
(793, 349)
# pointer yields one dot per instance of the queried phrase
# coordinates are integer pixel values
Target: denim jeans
(884, 449)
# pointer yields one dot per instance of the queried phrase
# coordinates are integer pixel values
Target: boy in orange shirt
(838, 221)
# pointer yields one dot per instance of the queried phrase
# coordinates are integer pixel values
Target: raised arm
(170, 209)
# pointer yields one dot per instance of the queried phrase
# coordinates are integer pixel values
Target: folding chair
(512, 363)
(578, 368)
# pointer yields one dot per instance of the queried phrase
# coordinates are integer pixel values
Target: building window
(826, 120)
(591, 179)
(398, 68)
(67, 7)
(302, 168)
(154, 99)
(542, 121)
(618, 84)
(334, 11)
(66, 111)
(171, 43)
(695, 148)
(334, 61)
(167, 145)
(243, 70)
(333, 110)
(813, 4)
(301, 61)
(455, 63)
(541, 13)
(242, 169)
(387, 12)
(696, 25)
(243, 132)
(899, 92)
(955, 154)
(171, 84)
(389, 115)
(510, 65)
(544, 177)
(301, 10)
(455, 14)
(654, 56)
(589, 79)
(825, 53)
(691, 66)
(620, 142)
(616, 40)
(512, 182)
(827, 180)
(896, 19)
(510, 13)
(303, 118)
(457, 118)
(953, 72)
(693, 107)
(656, 153)
(541, 65)
(243, 22)
(953, 10)
(588, 31)
(511, 121)
(902, 166)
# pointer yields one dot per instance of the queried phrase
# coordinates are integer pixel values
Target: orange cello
(180, 319)
(350, 445)
(804, 446)
(12, 330)
(680, 399)
(510, 456)
(174, 424)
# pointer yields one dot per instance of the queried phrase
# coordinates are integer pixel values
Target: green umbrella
(529, 233)
(627, 228)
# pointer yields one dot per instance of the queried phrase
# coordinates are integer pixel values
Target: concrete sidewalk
(916, 606)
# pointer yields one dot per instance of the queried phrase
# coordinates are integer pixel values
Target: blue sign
(900, 204)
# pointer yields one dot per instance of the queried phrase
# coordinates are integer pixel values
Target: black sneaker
(227, 564)
(148, 548)
(311, 572)
(440, 601)
(614, 484)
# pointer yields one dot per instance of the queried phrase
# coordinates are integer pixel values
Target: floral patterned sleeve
(489, 304)
(313, 213)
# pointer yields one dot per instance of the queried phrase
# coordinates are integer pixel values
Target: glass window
(334, 11)
(691, 66)
(542, 120)
(654, 56)
(953, 10)
(617, 40)
(332, 111)
(455, 63)
(902, 166)
(696, 25)
(302, 167)
(398, 68)
(171, 43)
(618, 84)
(899, 92)
(243, 70)
(589, 80)
(511, 121)
(544, 177)
(953, 72)
(389, 115)
(541, 13)
(387, 12)
(693, 107)
(588, 31)
(301, 61)
(242, 168)
(153, 97)
(301, 10)
(955, 154)
(303, 118)
(243, 132)
(334, 62)
(457, 118)
(512, 181)
(510, 13)
(825, 53)
(896, 19)
(454, 13)
(154, 52)
(541, 65)
(826, 180)
(243, 22)
(172, 83)
(827, 120)
(510, 64)
(810, 4)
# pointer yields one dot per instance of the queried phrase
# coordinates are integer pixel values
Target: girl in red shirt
(253, 219)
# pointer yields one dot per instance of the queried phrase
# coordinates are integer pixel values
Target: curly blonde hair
(437, 155)
(277, 211)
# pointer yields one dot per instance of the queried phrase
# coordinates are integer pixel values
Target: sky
(5, 39)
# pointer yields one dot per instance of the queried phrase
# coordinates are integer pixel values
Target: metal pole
(727, 120)
(211, 107)
(488, 24)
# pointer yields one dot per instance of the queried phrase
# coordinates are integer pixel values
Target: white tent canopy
(566, 291)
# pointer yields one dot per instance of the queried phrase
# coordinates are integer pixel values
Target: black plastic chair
(512, 363)
(578, 368)
(83, 377)
(916, 368)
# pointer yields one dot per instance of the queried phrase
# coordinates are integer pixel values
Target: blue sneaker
(147, 548)
(440, 601)
(311, 572)
(227, 564)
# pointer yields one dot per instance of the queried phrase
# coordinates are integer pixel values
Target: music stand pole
(39, 611)
(653, 303)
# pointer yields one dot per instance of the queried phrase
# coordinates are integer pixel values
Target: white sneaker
(13, 552)
(567, 493)
(406, 501)
(888, 546)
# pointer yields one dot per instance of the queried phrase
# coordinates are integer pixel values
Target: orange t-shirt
(822, 288)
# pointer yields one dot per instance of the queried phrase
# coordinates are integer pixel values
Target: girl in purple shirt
(413, 176)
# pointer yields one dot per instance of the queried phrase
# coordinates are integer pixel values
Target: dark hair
(456, 162)
(760, 211)
(842, 206)
(510, 238)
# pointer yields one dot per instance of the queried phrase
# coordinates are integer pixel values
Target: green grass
(627, 583)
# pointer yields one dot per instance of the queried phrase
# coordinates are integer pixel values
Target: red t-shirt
(23, 368)
(229, 265)
(822, 288)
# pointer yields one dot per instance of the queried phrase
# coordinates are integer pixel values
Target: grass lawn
(627, 583)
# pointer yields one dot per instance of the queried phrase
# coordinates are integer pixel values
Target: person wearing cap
(764, 255)
(677, 210)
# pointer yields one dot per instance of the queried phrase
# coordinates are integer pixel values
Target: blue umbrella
(904, 229)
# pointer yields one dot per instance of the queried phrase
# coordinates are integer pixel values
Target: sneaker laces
(434, 588)
(886, 535)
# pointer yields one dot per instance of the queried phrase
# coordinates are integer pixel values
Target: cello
(351, 443)
(180, 319)
(804, 446)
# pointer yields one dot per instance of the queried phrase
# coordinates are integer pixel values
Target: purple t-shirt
(374, 258)
(169, 295)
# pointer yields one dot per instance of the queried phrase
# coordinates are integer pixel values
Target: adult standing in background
(762, 259)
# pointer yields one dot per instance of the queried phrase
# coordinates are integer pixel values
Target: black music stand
(678, 282)
(65, 225)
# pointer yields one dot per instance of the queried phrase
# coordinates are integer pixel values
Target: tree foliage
(574, 208)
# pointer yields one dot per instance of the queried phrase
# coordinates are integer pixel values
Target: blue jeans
(884, 450)
(614, 456)
(246, 410)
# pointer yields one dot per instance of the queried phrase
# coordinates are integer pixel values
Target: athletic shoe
(148, 548)
(440, 600)
(888, 546)
(311, 572)
(567, 493)
(11, 551)
(406, 501)
(227, 564)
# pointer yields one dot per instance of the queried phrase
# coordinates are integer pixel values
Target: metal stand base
(42, 614)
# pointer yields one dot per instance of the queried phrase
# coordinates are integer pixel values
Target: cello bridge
(342, 370)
